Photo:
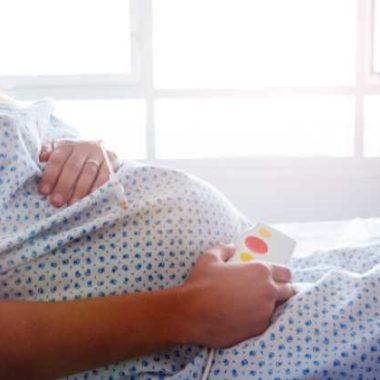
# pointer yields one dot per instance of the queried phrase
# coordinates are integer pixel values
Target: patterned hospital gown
(95, 248)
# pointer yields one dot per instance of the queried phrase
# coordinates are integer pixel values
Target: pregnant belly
(171, 220)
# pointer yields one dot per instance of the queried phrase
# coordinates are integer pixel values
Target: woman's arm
(49, 340)
(219, 305)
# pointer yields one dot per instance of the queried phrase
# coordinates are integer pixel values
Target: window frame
(373, 77)
(139, 84)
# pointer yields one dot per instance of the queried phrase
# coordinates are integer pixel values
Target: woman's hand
(227, 302)
(73, 170)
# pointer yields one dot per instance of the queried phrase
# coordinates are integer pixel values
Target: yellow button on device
(265, 233)
(245, 256)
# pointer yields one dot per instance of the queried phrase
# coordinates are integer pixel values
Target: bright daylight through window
(67, 37)
(376, 63)
(245, 43)
(212, 78)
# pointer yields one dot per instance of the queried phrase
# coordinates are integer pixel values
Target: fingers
(221, 252)
(282, 276)
(54, 168)
(87, 178)
(67, 179)
(102, 177)
(227, 251)
(73, 170)
(280, 273)
(46, 151)
(284, 291)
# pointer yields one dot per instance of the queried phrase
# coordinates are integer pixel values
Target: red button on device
(256, 244)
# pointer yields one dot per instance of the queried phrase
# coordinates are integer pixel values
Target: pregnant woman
(89, 290)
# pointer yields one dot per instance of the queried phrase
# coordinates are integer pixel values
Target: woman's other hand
(73, 170)
(227, 303)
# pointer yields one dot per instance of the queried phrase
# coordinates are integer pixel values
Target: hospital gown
(95, 248)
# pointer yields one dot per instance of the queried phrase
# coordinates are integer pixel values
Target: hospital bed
(314, 236)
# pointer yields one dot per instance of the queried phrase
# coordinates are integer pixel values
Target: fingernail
(45, 189)
(57, 200)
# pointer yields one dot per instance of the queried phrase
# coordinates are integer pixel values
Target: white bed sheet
(314, 236)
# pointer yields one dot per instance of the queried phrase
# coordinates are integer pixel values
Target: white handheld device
(263, 243)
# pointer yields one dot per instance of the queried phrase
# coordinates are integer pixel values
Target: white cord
(211, 355)
(117, 186)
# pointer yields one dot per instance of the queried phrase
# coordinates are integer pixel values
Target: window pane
(377, 37)
(255, 127)
(228, 43)
(119, 123)
(52, 37)
(372, 126)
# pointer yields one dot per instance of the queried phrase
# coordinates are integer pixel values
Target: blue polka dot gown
(95, 248)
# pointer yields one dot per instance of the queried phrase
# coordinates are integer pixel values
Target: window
(196, 79)
(245, 43)
(122, 119)
(61, 38)
(321, 126)
(372, 122)
(376, 62)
